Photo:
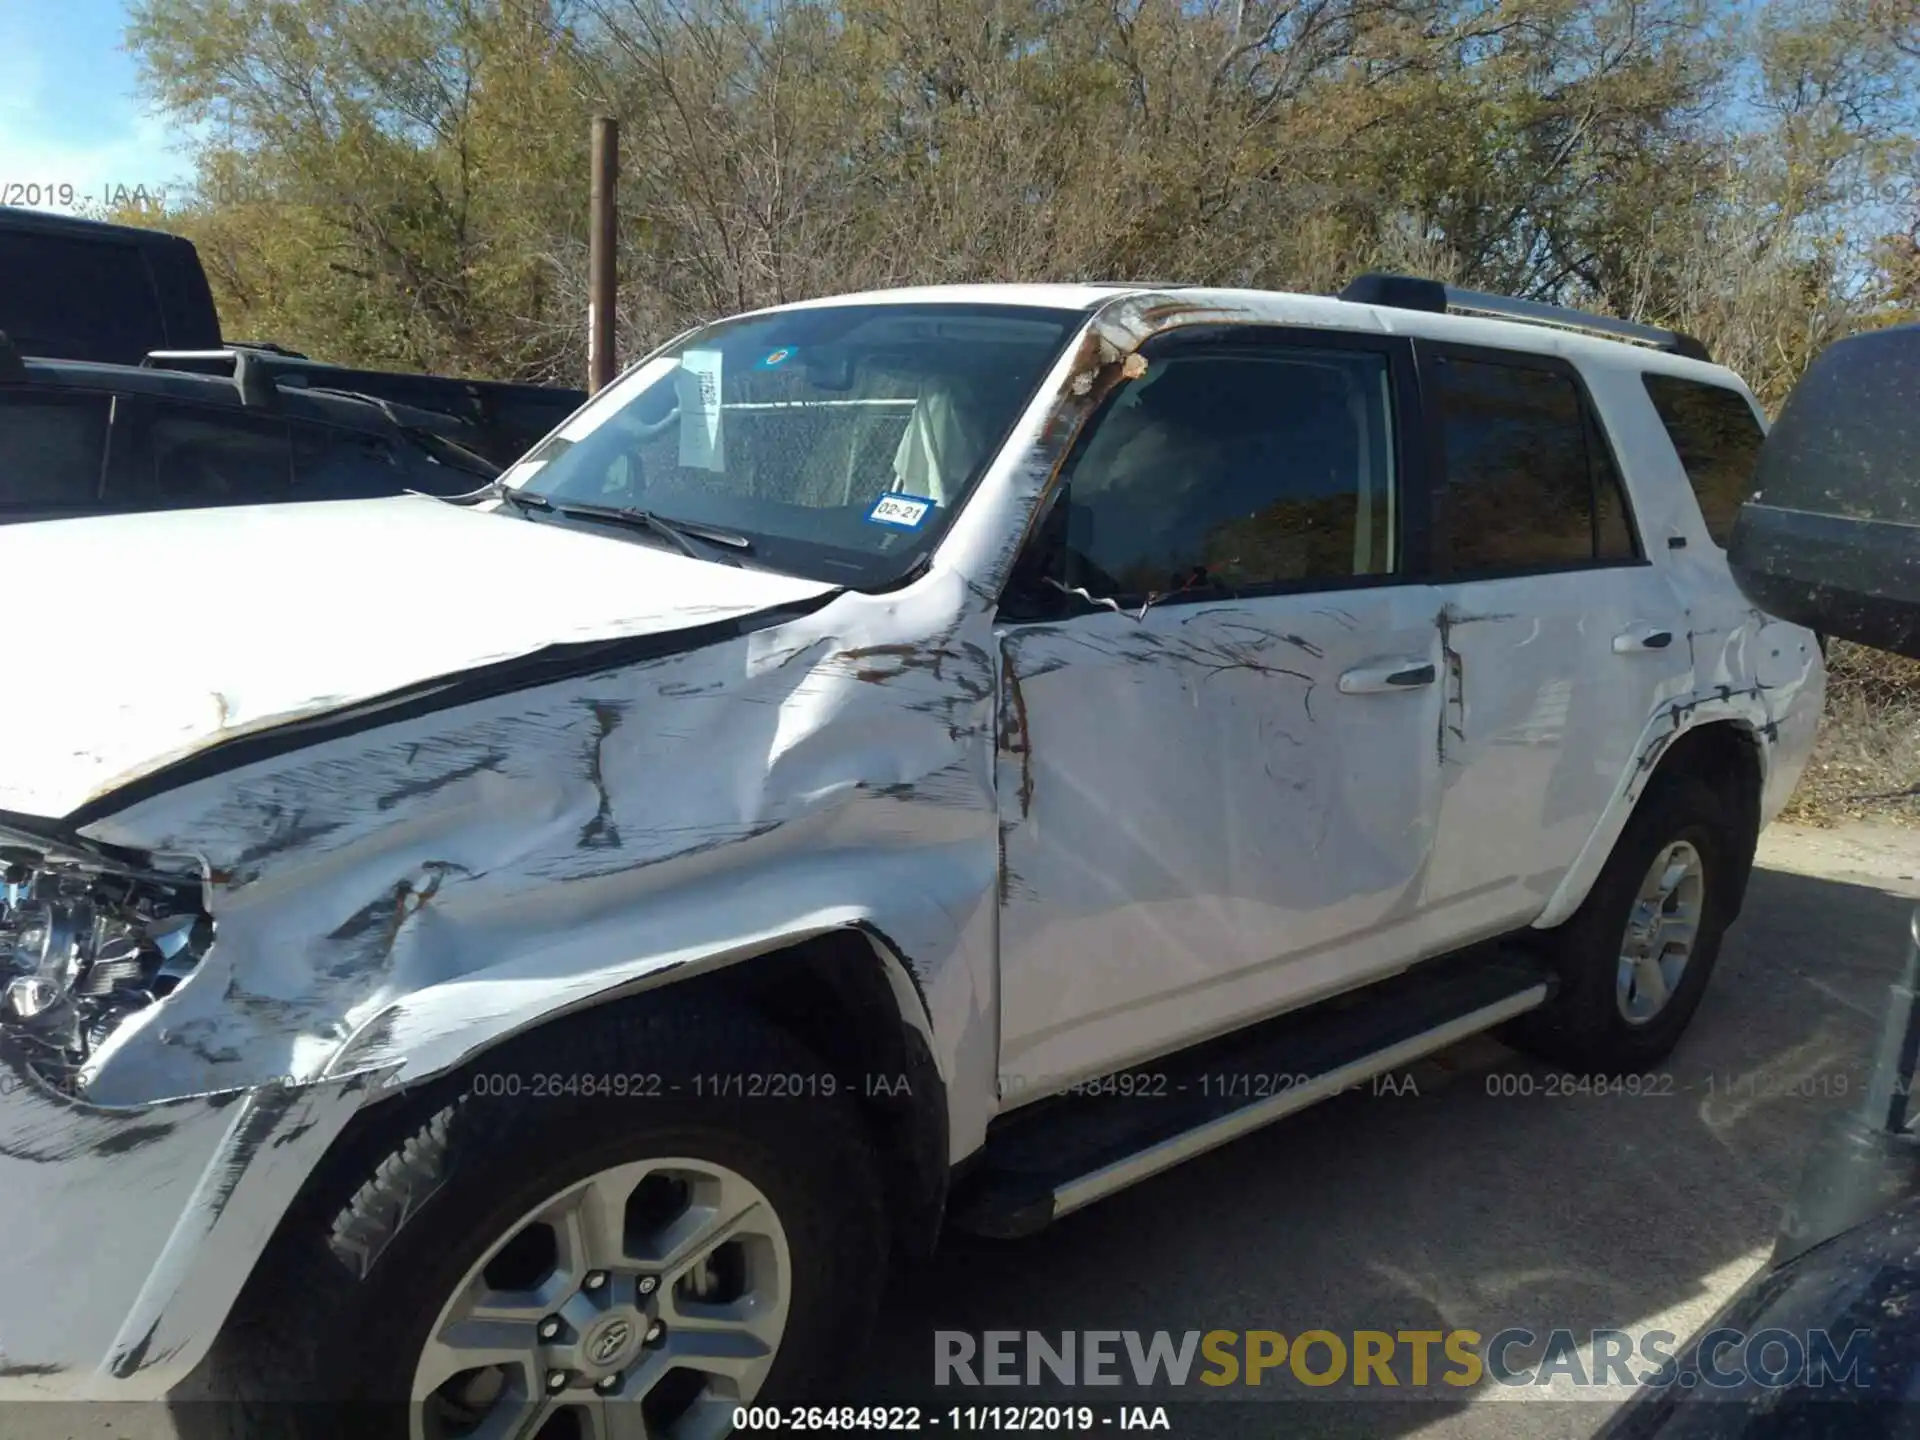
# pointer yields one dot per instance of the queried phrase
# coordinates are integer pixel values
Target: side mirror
(1831, 536)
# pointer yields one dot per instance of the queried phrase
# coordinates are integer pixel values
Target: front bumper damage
(130, 1231)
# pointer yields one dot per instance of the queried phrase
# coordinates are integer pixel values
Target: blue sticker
(776, 358)
(903, 512)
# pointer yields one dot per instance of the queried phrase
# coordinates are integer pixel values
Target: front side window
(837, 440)
(1223, 474)
(1530, 484)
(52, 446)
(1718, 440)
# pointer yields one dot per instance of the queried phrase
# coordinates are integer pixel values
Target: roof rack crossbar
(1565, 317)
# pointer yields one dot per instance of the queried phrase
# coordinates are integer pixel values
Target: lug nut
(595, 1279)
(556, 1380)
(606, 1385)
(648, 1284)
(549, 1327)
(656, 1332)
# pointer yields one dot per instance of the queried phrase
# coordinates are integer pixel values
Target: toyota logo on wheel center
(605, 1345)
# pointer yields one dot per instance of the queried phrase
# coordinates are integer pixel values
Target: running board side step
(1057, 1156)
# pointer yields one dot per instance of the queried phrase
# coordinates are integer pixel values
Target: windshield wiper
(451, 453)
(698, 541)
(494, 490)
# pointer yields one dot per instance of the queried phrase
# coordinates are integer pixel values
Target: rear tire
(1609, 1016)
(575, 1208)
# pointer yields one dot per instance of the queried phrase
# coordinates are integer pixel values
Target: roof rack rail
(1411, 292)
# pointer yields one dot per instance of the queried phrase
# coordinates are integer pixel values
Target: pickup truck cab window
(52, 447)
(202, 457)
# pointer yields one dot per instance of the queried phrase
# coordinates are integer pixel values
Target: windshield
(836, 441)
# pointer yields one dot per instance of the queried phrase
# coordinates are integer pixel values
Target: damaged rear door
(1218, 762)
(1564, 639)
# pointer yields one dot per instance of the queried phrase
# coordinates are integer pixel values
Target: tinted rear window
(77, 299)
(1530, 485)
(51, 449)
(1718, 440)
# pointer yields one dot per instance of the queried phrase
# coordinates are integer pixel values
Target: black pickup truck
(73, 289)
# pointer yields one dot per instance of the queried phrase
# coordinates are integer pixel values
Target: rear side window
(52, 447)
(77, 299)
(1531, 484)
(1718, 440)
(205, 456)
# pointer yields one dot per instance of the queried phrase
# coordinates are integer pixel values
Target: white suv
(549, 950)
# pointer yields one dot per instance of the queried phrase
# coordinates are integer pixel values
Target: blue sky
(69, 114)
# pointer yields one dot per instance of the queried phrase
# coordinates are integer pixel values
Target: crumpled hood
(140, 639)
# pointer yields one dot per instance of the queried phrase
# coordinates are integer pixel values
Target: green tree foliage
(403, 182)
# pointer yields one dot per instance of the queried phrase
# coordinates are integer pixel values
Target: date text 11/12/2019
(962, 1419)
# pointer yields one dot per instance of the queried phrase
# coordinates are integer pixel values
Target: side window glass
(204, 456)
(1519, 491)
(1230, 473)
(330, 463)
(52, 446)
(333, 464)
(1613, 537)
(1718, 440)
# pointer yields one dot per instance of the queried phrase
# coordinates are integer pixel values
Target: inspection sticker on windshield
(703, 444)
(904, 512)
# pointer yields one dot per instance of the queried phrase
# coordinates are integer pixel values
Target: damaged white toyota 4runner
(930, 757)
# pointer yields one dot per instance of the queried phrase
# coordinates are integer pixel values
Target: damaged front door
(1218, 765)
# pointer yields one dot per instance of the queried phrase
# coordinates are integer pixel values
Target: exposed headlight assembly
(81, 949)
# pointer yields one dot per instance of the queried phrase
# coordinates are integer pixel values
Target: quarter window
(1233, 473)
(1530, 481)
(1718, 440)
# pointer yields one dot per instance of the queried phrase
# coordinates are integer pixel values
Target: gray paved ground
(1456, 1208)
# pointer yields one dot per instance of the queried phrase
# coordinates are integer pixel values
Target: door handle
(1636, 641)
(1394, 675)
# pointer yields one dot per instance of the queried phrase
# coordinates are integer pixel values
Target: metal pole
(604, 223)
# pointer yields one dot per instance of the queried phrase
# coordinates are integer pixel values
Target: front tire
(1634, 959)
(529, 1262)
